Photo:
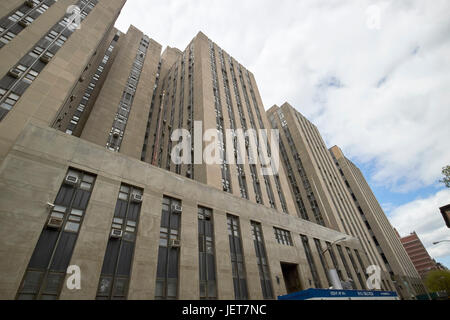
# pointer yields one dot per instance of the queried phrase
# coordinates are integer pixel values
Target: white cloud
(424, 217)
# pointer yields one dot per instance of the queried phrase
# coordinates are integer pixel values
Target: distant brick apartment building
(418, 254)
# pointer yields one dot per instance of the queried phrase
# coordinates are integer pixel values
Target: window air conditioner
(116, 233)
(55, 223)
(23, 23)
(176, 208)
(174, 243)
(116, 133)
(30, 3)
(71, 180)
(46, 58)
(136, 197)
(14, 73)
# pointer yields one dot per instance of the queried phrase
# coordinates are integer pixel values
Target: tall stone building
(398, 264)
(319, 190)
(88, 185)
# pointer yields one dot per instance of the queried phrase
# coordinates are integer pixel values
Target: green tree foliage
(438, 280)
(446, 179)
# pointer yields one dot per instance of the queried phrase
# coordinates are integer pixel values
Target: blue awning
(330, 294)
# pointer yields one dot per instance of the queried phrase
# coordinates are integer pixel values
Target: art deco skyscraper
(394, 256)
(87, 183)
(320, 190)
(206, 84)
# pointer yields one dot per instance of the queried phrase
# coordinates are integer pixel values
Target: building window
(355, 267)
(283, 237)
(20, 19)
(322, 260)
(16, 82)
(344, 262)
(44, 277)
(117, 131)
(358, 257)
(334, 259)
(312, 265)
(207, 268)
(237, 258)
(261, 257)
(169, 250)
(117, 262)
(226, 178)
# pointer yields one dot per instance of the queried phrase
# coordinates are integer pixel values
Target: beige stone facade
(321, 187)
(34, 169)
(396, 259)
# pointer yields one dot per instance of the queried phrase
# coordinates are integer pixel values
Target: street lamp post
(332, 273)
(437, 242)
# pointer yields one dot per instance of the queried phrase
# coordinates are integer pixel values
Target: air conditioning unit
(45, 58)
(176, 208)
(23, 23)
(174, 243)
(201, 217)
(116, 233)
(71, 179)
(30, 3)
(207, 215)
(55, 223)
(136, 197)
(116, 133)
(14, 73)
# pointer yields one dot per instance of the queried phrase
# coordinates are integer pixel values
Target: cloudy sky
(374, 76)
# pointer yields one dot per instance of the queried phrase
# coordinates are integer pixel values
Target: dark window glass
(311, 262)
(322, 260)
(207, 270)
(117, 263)
(169, 250)
(261, 257)
(51, 257)
(237, 260)
(344, 262)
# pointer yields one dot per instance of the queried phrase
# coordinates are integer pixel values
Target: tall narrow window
(355, 267)
(169, 250)
(47, 268)
(360, 262)
(311, 262)
(334, 259)
(347, 269)
(118, 258)
(237, 258)
(207, 268)
(261, 258)
(322, 260)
